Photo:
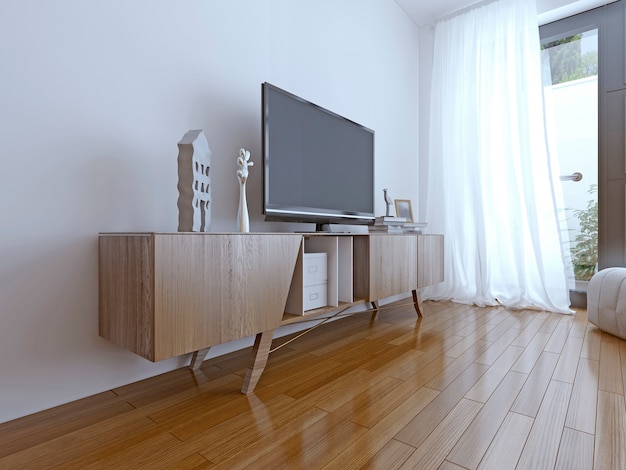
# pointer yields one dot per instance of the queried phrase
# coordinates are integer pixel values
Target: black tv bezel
(293, 213)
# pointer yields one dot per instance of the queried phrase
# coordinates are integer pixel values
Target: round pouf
(606, 301)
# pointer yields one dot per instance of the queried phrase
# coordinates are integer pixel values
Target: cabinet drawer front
(314, 269)
(314, 296)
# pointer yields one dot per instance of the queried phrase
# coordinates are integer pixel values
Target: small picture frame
(403, 209)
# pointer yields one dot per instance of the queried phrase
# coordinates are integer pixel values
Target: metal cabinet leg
(260, 352)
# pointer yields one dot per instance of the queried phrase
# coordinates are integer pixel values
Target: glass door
(570, 78)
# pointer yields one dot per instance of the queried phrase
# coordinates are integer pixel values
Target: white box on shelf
(314, 281)
(314, 296)
(315, 269)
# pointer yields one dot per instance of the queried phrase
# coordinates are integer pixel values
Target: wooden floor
(462, 388)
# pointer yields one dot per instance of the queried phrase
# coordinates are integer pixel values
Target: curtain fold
(491, 188)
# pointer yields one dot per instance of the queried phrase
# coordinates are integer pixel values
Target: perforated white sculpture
(194, 183)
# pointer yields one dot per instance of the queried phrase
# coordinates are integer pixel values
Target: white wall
(94, 98)
(426, 52)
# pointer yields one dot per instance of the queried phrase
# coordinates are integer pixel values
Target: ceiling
(427, 11)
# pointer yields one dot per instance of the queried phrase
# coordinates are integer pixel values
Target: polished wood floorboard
(462, 388)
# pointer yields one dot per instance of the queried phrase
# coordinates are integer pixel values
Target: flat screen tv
(317, 165)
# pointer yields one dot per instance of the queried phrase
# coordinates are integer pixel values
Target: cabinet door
(214, 288)
(429, 260)
(392, 265)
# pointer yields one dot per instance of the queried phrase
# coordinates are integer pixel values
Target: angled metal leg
(197, 358)
(417, 301)
(375, 308)
(260, 352)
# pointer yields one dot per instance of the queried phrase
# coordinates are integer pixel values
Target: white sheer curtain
(491, 190)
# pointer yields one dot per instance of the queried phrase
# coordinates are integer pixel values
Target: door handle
(573, 177)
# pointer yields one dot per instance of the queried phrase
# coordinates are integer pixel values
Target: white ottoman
(606, 301)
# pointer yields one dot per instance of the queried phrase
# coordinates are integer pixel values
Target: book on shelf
(385, 228)
(412, 227)
(389, 220)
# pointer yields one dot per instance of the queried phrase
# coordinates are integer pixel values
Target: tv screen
(318, 166)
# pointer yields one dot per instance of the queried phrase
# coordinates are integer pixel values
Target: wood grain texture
(610, 443)
(420, 427)
(357, 393)
(126, 292)
(367, 446)
(295, 298)
(542, 446)
(472, 445)
(392, 456)
(391, 265)
(568, 360)
(530, 398)
(576, 451)
(436, 446)
(361, 263)
(429, 260)
(591, 343)
(489, 382)
(581, 414)
(507, 446)
(527, 361)
(214, 289)
(167, 294)
(610, 374)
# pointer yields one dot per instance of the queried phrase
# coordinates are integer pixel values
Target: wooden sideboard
(163, 295)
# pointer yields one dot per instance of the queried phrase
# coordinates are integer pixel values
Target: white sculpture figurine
(387, 202)
(243, 162)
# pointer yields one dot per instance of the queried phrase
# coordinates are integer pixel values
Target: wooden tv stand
(163, 295)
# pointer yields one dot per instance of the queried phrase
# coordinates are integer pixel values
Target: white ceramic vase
(243, 162)
(243, 220)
